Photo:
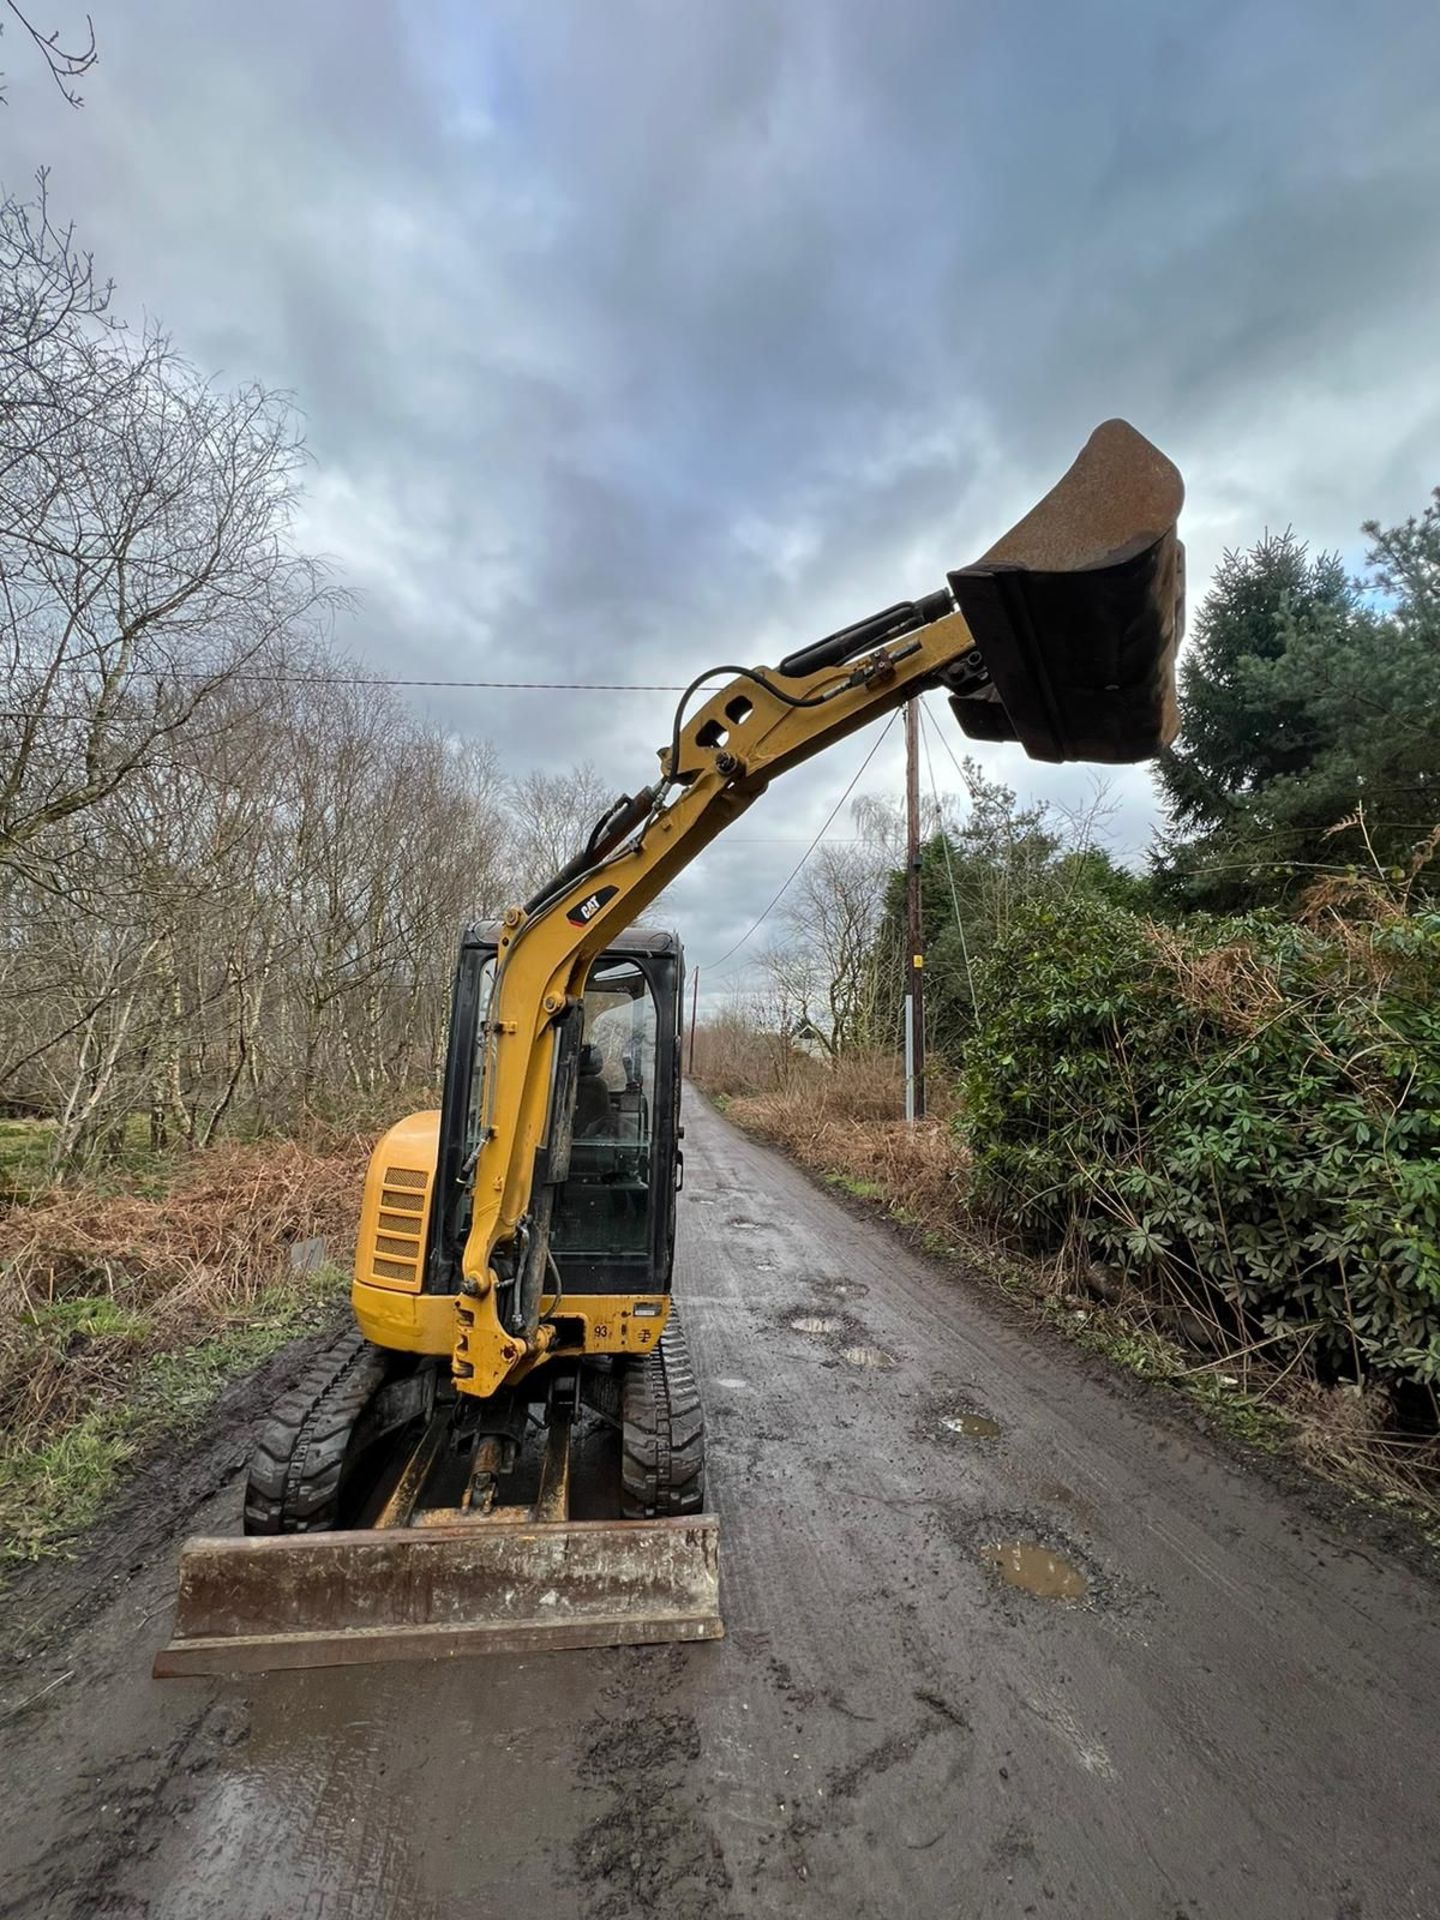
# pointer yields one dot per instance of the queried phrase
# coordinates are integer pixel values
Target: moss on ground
(132, 1165)
(849, 1183)
(24, 1157)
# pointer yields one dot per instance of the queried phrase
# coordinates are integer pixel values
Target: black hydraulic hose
(602, 826)
(608, 832)
(628, 812)
(833, 651)
(836, 648)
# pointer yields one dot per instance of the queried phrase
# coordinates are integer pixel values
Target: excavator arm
(1062, 636)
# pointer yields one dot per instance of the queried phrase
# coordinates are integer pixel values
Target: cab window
(603, 1209)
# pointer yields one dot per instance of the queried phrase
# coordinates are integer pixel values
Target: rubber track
(295, 1469)
(663, 1448)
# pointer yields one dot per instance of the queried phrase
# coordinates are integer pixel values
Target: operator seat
(592, 1097)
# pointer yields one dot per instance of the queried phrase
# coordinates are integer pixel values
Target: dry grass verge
(842, 1122)
(914, 1169)
(122, 1313)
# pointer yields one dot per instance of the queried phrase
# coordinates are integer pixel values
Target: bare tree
(144, 535)
(231, 877)
(551, 813)
(258, 928)
(837, 913)
(791, 992)
(835, 916)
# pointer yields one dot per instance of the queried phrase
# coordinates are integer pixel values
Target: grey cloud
(634, 337)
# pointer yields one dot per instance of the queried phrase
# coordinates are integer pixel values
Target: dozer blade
(479, 1586)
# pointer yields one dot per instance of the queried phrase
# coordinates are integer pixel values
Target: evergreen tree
(1310, 720)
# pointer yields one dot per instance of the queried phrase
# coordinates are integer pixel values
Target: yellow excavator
(414, 1494)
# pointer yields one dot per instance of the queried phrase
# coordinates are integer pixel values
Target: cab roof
(632, 940)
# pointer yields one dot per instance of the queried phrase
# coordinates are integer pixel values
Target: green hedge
(1251, 1108)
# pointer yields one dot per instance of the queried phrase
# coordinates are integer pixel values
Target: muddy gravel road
(1235, 1714)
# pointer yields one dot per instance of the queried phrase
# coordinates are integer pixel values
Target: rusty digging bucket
(431, 1592)
(1079, 609)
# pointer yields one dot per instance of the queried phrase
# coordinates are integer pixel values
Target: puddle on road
(974, 1426)
(840, 1289)
(867, 1357)
(814, 1323)
(1036, 1569)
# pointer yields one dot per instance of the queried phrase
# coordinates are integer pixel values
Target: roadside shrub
(1248, 1109)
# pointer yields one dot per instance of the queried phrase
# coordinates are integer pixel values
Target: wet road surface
(1233, 1715)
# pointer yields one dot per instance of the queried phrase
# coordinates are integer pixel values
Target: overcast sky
(639, 334)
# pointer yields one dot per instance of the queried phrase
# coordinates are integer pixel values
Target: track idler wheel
(663, 1432)
(313, 1464)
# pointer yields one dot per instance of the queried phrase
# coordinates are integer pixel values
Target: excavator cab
(614, 1223)
(613, 1226)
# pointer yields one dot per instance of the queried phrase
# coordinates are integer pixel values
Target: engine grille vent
(399, 1245)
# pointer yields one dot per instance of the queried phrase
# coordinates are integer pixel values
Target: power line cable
(714, 966)
(925, 724)
(223, 678)
(964, 780)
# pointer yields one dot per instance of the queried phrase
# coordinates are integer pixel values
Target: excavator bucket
(1078, 611)
(484, 1585)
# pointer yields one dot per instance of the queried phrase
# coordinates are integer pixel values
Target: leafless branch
(66, 64)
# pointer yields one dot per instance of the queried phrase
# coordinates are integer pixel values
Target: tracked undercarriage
(363, 1454)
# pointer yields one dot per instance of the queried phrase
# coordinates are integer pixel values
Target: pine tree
(1310, 720)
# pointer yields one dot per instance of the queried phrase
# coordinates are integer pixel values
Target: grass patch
(24, 1157)
(1152, 1355)
(1256, 1422)
(850, 1183)
(88, 1317)
(936, 1245)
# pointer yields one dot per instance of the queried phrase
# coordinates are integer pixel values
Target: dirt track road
(1240, 1721)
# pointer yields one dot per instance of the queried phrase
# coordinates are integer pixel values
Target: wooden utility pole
(694, 1004)
(914, 931)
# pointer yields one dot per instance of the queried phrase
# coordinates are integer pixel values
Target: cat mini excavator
(413, 1495)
